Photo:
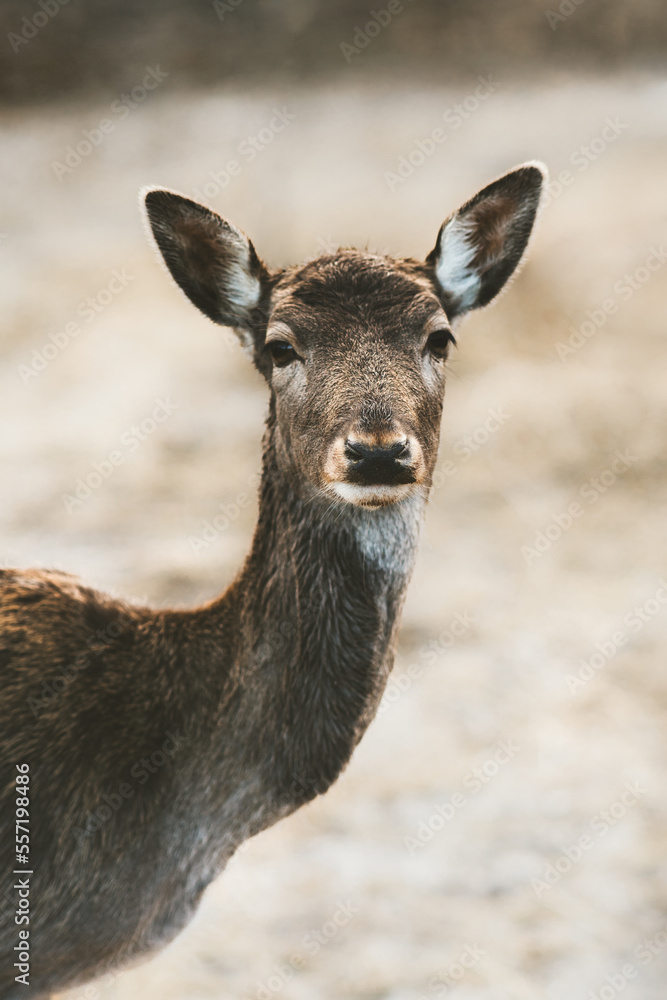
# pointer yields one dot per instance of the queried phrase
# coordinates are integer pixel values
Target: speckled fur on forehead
(355, 281)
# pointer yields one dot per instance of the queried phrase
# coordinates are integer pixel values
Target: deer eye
(282, 353)
(438, 343)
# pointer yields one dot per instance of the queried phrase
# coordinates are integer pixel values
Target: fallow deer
(174, 735)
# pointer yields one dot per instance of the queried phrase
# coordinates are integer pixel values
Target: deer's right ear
(213, 262)
(480, 246)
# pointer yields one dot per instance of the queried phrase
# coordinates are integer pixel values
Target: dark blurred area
(92, 47)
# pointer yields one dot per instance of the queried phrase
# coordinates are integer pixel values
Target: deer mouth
(372, 496)
(374, 471)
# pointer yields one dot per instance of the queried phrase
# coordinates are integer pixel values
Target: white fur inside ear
(453, 269)
(242, 288)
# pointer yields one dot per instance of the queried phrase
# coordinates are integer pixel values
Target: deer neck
(320, 596)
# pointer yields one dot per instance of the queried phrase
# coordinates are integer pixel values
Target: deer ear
(213, 262)
(480, 246)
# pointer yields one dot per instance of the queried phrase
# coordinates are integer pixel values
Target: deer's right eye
(439, 342)
(282, 353)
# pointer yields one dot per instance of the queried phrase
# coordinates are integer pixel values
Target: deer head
(353, 345)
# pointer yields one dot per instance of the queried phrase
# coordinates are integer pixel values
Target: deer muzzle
(374, 470)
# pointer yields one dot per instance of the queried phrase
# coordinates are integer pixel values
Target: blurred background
(500, 833)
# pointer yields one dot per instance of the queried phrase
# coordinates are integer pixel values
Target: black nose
(378, 466)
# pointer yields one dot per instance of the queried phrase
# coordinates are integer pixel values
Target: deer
(171, 736)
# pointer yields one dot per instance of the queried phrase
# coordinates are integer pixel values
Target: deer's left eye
(282, 353)
(438, 343)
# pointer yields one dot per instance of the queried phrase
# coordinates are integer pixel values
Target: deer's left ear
(212, 261)
(480, 246)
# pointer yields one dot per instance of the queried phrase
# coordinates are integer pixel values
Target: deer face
(353, 345)
(357, 347)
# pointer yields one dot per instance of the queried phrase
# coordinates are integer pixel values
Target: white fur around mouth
(371, 496)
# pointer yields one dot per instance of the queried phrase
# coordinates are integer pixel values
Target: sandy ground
(416, 876)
